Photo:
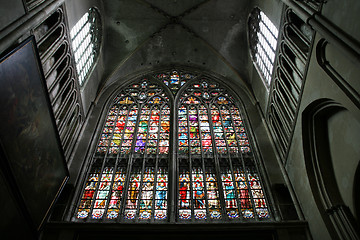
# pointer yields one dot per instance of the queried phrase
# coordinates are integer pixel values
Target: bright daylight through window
(85, 43)
(263, 42)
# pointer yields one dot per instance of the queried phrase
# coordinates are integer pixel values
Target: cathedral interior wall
(340, 140)
(320, 85)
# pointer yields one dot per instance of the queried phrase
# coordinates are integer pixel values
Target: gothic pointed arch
(323, 167)
(218, 178)
(131, 157)
(174, 147)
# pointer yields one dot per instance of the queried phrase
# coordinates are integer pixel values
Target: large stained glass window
(129, 176)
(211, 133)
(192, 155)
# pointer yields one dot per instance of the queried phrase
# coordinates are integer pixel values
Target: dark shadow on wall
(356, 194)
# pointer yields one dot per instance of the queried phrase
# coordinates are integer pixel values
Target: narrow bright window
(85, 43)
(263, 40)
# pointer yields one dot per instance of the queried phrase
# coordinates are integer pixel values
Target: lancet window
(86, 40)
(199, 139)
(130, 165)
(263, 36)
(217, 174)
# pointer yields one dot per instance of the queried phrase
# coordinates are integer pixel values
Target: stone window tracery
(200, 138)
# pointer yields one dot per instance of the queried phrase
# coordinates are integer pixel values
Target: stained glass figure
(184, 194)
(257, 193)
(132, 195)
(117, 193)
(243, 193)
(147, 194)
(87, 198)
(161, 194)
(198, 193)
(213, 195)
(102, 193)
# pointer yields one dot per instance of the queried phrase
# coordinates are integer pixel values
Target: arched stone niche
(331, 149)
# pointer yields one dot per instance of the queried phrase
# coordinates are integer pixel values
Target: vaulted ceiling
(142, 34)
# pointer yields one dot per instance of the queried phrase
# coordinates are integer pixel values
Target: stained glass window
(131, 183)
(213, 168)
(211, 132)
(174, 79)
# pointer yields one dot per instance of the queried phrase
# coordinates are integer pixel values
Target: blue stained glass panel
(183, 129)
(140, 143)
(182, 111)
(183, 135)
(174, 79)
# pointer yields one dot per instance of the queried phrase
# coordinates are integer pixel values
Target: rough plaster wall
(174, 7)
(128, 24)
(318, 85)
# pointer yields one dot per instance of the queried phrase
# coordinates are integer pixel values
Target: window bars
(263, 41)
(85, 38)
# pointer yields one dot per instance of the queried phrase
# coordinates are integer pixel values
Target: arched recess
(331, 164)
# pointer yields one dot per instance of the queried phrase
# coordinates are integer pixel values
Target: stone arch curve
(322, 170)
